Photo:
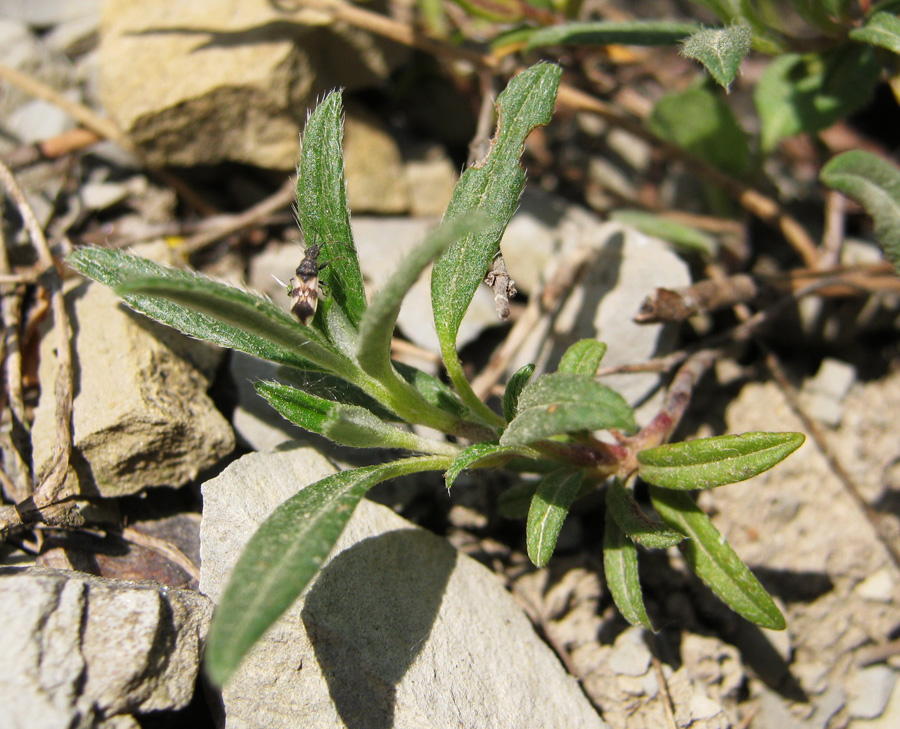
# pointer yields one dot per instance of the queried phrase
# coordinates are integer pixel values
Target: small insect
(304, 289)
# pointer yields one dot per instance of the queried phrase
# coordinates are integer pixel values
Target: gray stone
(871, 689)
(627, 266)
(141, 416)
(81, 650)
(48, 12)
(823, 395)
(37, 120)
(397, 630)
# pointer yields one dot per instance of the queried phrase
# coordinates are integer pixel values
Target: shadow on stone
(369, 613)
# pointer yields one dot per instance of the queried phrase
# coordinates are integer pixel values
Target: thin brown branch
(51, 486)
(231, 224)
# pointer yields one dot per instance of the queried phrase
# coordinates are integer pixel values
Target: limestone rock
(206, 81)
(397, 630)
(83, 651)
(141, 416)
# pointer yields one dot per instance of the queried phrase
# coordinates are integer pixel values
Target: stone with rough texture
(626, 267)
(205, 81)
(82, 651)
(398, 629)
(141, 415)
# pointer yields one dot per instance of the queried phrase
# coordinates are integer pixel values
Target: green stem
(465, 391)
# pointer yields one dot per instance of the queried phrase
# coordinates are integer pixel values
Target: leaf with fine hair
(620, 567)
(548, 511)
(874, 183)
(483, 455)
(514, 389)
(714, 561)
(325, 218)
(609, 32)
(808, 93)
(639, 527)
(562, 402)
(720, 50)
(379, 320)
(249, 312)
(582, 358)
(114, 268)
(880, 29)
(709, 462)
(492, 187)
(285, 553)
(344, 424)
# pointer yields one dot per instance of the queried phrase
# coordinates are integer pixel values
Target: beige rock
(141, 416)
(203, 81)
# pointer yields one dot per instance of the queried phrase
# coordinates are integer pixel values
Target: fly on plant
(304, 289)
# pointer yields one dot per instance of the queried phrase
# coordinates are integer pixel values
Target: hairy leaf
(608, 32)
(325, 218)
(582, 358)
(113, 268)
(874, 183)
(484, 455)
(548, 511)
(492, 187)
(285, 553)
(714, 561)
(251, 313)
(560, 403)
(348, 425)
(880, 29)
(514, 389)
(709, 462)
(720, 50)
(635, 523)
(620, 566)
(807, 93)
(379, 320)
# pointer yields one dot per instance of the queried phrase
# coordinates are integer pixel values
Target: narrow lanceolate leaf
(709, 462)
(582, 358)
(114, 268)
(620, 566)
(720, 50)
(548, 511)
(874, 183)
(514, 389)
(348, 425)
(880, 29)
(377, 326)
(807, 93)
(565, 403)
(686, 237)
(604, 32)
(714, 561)
(635, 523)
(492, 187)
(252, 314)
(324, 215)
(330, 387)
(481, 455)
(284, 555)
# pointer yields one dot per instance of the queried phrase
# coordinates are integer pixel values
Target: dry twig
(50, 490)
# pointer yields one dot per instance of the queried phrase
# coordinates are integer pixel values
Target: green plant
(346, 388)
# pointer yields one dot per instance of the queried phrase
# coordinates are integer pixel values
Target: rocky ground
(428, 612)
